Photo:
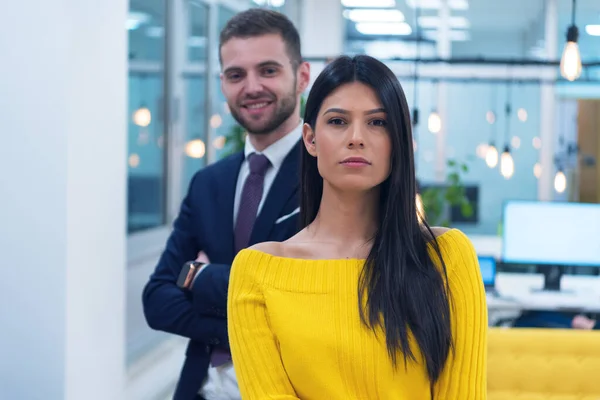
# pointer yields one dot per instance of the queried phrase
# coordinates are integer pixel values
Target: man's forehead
(254, 52)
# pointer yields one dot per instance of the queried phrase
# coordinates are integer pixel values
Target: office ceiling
(505, 15)
(519, 15)
(495, 21)
(509, 15)
(490, 21)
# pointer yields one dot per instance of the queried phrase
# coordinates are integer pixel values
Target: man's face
(259, 82)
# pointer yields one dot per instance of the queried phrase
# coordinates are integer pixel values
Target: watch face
(186, 276)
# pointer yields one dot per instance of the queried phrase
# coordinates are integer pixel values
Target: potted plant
(439, 200)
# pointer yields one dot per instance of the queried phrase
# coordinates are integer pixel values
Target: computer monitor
(551, 235)
(487, 266)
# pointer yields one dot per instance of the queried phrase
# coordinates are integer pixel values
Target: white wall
(321, 28)
(62, 177)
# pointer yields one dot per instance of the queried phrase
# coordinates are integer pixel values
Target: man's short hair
(259, 21)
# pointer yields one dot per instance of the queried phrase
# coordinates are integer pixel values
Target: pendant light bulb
(537, 170)
(195, 148)
(507, 164)
(491, 156)
(434, 123)
(570, 63)
(142, 117)
(560, 181)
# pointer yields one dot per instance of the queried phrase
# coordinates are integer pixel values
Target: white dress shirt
(275, 153)
(221, 383)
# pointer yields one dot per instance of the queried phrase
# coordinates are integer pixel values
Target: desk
(501, 310)
(580, 293)
(518, 294)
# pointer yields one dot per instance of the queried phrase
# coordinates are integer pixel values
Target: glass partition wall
(177, 121)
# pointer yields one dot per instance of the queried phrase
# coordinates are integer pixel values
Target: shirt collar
(277, 152)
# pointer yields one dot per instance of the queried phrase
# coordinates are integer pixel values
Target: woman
(367, 301)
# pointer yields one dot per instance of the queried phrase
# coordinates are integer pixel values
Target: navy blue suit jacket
(205, 223)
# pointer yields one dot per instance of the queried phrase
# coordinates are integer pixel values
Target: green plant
(438, 201)
(235, 139)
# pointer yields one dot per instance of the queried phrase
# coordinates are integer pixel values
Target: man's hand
(203, 258)
(583, 322)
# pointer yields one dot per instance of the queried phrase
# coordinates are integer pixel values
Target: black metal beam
(473, 80)
(474, 61)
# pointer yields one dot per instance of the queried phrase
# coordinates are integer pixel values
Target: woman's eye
(336, 121)
(379, 122)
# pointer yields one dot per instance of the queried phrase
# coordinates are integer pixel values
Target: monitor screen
(487, 265)
(551, 233)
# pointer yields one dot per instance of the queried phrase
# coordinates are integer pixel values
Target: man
(248, 198)
(555, 319)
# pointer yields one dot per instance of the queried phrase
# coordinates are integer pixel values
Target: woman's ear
(308, 136)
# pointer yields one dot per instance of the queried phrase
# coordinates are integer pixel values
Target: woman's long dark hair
(405, 290)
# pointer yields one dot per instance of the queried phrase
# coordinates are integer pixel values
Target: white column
(548, 106)
(62, 177)
(212, 70)
(444, 50)
(322, 28)
(178, 26)
(293, 11)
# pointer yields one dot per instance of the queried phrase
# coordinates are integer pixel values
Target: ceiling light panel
(369, 3)
(384, 28)
(592, 30)
(374, 15)
(437, 4)
(136, 19)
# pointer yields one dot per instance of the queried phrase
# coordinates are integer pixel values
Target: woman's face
(350, 139)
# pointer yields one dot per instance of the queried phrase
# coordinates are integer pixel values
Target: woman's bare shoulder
(294, 247)
(439, 230)
(271, 248)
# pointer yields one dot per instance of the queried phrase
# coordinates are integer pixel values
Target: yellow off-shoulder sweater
(295, 331)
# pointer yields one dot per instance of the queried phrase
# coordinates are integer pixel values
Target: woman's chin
(355, 184)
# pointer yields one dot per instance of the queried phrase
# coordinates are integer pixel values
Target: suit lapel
(285, 184)
(226, 184)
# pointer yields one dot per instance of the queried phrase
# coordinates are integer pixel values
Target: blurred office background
(107, 109)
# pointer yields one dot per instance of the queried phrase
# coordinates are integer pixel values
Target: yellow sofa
(543, 364)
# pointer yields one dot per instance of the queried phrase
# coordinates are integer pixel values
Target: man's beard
(284, 109)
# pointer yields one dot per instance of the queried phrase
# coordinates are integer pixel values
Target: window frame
(175, 65)
(145, 247)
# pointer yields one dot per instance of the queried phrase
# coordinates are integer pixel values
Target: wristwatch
(188, 273)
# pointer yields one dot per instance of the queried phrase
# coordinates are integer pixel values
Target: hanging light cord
(494, 109)
(507, 111)
(415, 116)
(418, 58)
(561, 157)
(561, 138)
(434, 88)
(416, 76)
